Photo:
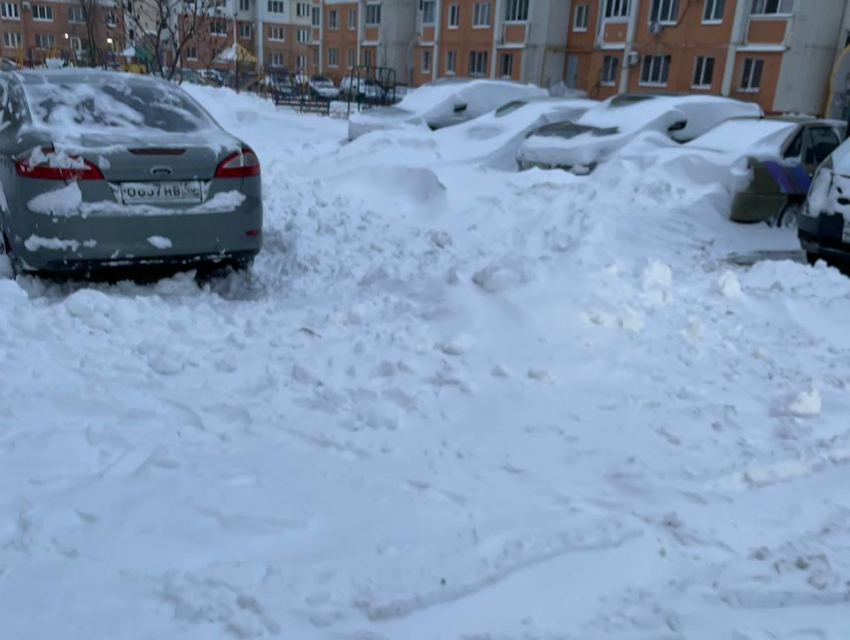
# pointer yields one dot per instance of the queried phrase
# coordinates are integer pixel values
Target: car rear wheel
(786, 217)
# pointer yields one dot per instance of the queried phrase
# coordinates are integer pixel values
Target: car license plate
(161, 192)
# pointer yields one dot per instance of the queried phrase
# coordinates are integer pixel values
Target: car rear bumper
(42, 242)
(822, 236)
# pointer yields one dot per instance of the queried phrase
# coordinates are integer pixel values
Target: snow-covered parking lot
(451, 403)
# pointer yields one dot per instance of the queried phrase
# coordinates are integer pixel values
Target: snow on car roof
(77, 102)
(635, 113)
(745, 133)
(435, 95)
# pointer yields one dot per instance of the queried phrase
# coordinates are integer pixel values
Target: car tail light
(46, 164)
(239, 164)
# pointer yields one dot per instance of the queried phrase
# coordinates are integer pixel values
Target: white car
(442, 104)
(581, 145)
(323, 87)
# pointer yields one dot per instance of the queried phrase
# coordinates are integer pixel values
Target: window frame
(657, 6)
(430, 7)
(765, 4)
(451, 69)
(453, 16)
(272, 7)
(303, 35)
(333, 60)
(583, 11)
(352, 19)
(351, 58)
(664, 70)
(516, 11)
(473, 59)
(216, 22)
(276, 59)
(75, 11)
(610, 66)
(276, 28)
(19, 40)
(509, 57)
(477, 9)
(303, 10)
(242, 30)
(48, 11)
(713, 4)
(617, 11)
(698, 79)
(425, 61)
(333, 20)
(39, 44)
(17, 11)
(376, 11)
(755, 64)
(244, 5)
(191, 53)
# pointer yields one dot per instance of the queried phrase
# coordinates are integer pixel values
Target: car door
(12, 113)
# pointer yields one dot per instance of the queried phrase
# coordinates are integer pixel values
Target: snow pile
(450, 402)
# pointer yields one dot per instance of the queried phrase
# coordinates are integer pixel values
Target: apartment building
(778, 53)
(35, 31)
(515, 39)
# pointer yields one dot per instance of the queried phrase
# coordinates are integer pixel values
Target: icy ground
(452, 403)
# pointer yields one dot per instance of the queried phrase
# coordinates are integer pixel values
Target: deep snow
(451, 403)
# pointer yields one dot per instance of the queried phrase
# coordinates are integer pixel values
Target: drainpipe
(436, 47)
(322, 32)
(738, 29)
(361, 29)
(630, 40)
(498, 34)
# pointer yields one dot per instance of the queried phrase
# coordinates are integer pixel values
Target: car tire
(786, 217)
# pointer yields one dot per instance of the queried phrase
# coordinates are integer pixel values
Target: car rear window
(116, 103)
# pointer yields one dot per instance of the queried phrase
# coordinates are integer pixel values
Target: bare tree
(165, 28)
(92, 13)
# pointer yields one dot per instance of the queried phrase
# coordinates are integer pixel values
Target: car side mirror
(677, 126)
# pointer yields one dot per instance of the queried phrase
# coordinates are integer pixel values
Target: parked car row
(782, 159)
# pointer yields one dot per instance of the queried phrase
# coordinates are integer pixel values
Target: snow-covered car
(824, 222)
(324, 88)
(442, 104)
(211, 76)
(781, 156)
(107, 169)
(581, 145)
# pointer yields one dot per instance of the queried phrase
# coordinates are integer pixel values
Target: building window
(303, 36)
(481, 15)
(245, 31)
(42, 13)
(11, 40)
(772, 7)
(713, 11)
(275, 6)
(45, 41)
(516, 11)
(703, 72)
(506, 65)
(275, 59)
(215, 54)
(11, 11)
(580, 19)
(244, 5)
(276, 34)
(616, 9)
(454, 16)
(314, 55)
(76, 44)
(426, 62)
(367, 58)
(351, 58)
(218, 27)
(751, 74)
(352, 19)
(317, 16)
(302, 10)
(655, 70)
(373, 15)
(75, 15)
(333, 57)
(451, 62)
(429, 11)
(478, 63)
(191, 53)
(333, 19)
(109, 18)
(610, 64)
(664, 11)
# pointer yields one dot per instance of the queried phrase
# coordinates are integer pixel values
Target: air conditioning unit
(26, 5)
(655, 28)
(633, 59)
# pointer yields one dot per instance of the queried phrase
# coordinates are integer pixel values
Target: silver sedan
(101, 169)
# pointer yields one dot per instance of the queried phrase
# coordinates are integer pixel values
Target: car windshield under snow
(132, 105)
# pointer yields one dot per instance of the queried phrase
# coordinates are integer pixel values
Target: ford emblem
(161, 172)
